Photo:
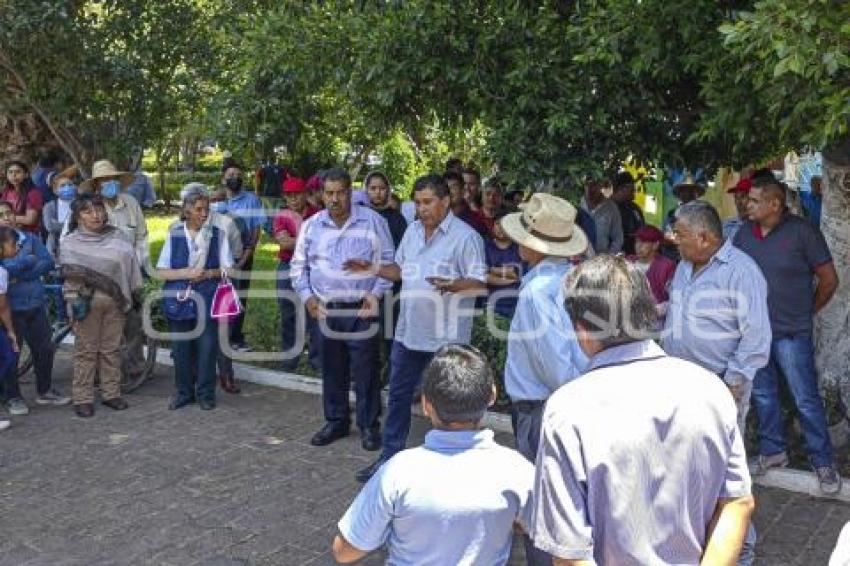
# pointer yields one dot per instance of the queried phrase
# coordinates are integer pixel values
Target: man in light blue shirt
(141, 189)
(246, 205)
(542, 351)
(441, 265)
(345, 305)
(717, 316)
(455, 499)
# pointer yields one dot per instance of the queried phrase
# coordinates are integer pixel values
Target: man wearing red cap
(658, 269)
(741, 192)
(285, 227)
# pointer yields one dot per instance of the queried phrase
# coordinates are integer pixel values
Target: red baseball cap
(649, 234)
(742, 186)
(294, 185)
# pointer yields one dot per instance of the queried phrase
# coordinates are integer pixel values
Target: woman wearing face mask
(56, 212)
(23, 195)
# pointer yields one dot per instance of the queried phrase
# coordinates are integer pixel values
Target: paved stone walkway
(238, 485)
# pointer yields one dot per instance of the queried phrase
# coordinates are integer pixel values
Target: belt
(343, 305)
(526, 406)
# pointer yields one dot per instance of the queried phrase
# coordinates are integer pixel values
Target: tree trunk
(832, 325)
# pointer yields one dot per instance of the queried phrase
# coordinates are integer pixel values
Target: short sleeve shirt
(33, 201)
(634, 456)
(428, 320)
(453, 500)
(225, 256)
(289, 221)
(787, 257)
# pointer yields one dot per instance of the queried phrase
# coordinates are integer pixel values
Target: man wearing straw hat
(123, 212)
(542, 350)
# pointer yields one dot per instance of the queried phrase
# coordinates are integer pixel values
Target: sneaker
(829, 480)
(5, 423)
(759, 466)
(52, 397)
(17, 407)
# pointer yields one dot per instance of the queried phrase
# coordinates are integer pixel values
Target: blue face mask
(219, 207)
(109, 189)
(67, 192)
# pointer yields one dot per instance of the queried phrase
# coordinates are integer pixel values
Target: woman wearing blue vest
(191, 264)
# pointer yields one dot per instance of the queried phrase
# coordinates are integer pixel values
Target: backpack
(271, 180)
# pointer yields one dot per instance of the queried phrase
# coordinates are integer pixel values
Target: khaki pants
(97, 350)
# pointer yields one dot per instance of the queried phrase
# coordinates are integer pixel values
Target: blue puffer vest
(180, 260)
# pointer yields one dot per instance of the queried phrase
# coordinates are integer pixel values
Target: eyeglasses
(6, 214)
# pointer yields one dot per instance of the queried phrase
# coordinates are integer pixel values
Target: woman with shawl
(102, 276)
(191, 263)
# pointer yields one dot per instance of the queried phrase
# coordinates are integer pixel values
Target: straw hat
(688, 183)
(104, 169)
(546, 225)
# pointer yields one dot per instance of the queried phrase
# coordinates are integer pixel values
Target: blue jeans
(794, 358)
(407, 367)
(344, 359)
(200, 353)
(288, 307)
(8, 360)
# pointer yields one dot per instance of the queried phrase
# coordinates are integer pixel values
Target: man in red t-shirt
(286, 226)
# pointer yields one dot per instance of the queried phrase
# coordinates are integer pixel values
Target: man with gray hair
(667, 483)
(717, 315)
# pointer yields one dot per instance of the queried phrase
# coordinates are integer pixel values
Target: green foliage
(109, 77)
(400, 163)
(539, 91)
(783, 81)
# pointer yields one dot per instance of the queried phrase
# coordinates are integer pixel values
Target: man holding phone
(441, 265)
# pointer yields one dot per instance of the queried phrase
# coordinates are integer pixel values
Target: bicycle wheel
(130, 382)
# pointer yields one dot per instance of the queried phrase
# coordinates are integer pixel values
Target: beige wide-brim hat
(546, 224)
(104, 169)
(688, 183)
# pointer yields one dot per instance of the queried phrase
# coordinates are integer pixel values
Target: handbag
(226, 305)
(182, 305)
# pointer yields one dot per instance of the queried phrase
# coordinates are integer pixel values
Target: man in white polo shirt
(440, 262)
(453, 500)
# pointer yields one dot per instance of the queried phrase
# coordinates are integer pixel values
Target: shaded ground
(238, 485)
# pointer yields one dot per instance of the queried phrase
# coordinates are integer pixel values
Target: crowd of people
(633, 355)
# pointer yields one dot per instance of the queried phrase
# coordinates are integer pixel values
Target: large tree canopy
(538, 90)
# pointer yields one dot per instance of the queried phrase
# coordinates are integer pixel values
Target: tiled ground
(238, 485)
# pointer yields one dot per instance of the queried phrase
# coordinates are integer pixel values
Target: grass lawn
(262, 321)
